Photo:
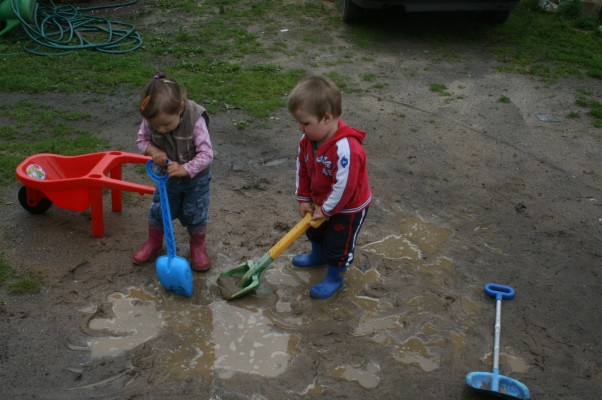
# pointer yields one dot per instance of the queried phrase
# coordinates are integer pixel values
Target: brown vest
(179, 143)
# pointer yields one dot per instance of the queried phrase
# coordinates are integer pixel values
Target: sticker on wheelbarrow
(35, 171)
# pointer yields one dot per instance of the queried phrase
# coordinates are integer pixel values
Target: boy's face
(314, 129)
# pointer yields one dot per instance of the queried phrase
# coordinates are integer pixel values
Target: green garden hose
(58, 30)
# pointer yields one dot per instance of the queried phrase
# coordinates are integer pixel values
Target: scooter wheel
(40, 208)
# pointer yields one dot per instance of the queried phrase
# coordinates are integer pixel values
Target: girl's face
(164, 123)
(315, 130)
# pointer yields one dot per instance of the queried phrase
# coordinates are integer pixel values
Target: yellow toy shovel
(244, 278)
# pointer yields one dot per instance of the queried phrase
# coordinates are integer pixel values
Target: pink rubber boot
(198, 250)
(151, 248)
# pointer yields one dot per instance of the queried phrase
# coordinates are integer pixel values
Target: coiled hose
(59, 30)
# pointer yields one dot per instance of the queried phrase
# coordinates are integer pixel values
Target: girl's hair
(161, 94)
(316, 95)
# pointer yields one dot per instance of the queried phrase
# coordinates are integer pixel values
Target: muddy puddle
(255, 337)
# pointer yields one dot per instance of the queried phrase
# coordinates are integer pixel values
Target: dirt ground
(466, 190)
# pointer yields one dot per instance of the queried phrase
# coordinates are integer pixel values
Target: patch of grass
(207, 53)
(6, 271)
(504, 99)
(439, 88)
(532, 41)
(30, 283)
(549, 45)
(596, 113)
(593, 105)
(32, 128)
(220, 50)
(369, 77)
(573, 115)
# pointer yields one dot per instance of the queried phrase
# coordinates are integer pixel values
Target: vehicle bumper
(441, 5)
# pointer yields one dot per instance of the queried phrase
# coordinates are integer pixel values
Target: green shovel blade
(243, 279)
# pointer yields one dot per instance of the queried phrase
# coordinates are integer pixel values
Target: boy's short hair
(316, 95)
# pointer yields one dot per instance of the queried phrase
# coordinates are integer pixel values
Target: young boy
(331, 176)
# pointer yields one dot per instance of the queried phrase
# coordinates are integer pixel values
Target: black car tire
(351, 12)
(497, 17)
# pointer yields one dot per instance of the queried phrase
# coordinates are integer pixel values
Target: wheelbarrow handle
(294, 234)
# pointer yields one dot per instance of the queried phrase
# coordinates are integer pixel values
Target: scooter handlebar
(154, 176)
(499, 292)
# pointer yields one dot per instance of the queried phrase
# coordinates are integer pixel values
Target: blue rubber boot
(317, 256)
(330, 284)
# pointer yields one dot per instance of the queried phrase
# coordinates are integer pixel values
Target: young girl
(331, 172)
(175, 129)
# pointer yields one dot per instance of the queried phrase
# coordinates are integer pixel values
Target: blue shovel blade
(175, 275)
(506, 387)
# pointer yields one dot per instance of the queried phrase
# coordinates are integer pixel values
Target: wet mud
(466, 191)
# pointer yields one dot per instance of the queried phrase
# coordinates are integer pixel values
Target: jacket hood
(347, 131)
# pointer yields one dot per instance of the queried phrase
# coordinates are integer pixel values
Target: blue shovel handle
(160, 180)
(499, 292)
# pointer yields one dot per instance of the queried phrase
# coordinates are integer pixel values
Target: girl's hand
(159, 157)
(175, 169)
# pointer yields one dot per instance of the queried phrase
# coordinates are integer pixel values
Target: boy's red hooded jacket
(334, 175)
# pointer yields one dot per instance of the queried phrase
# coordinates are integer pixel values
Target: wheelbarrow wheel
(39, 208)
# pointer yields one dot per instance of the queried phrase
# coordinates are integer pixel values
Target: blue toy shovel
(492, 382)
(173, 271)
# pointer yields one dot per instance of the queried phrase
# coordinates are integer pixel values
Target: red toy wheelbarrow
(77, 182)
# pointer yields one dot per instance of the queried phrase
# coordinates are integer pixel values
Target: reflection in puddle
(416, 240)
(372, 325)
(366, 376)
(219, 337)
(415, 351)
(244, 341)
(227, 339)
(508, 363)
(313, 389)
(136, 320)
(419, 332)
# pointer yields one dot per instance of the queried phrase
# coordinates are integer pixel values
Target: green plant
(504, 99)
(241, 124)
(573, 115)
(28, 283)
(31, 283)
(369, 77)
(215, 45)
(439, 88)
(549, 45)
(594, 106)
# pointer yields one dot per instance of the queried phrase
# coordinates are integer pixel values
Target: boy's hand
(317, 214)
(315, 211)
(305, 208)
(175, 169)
